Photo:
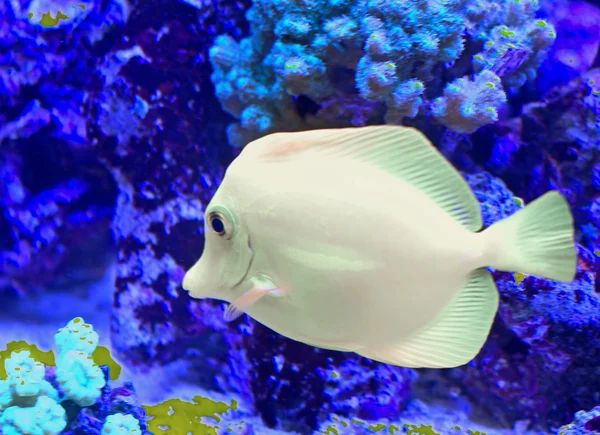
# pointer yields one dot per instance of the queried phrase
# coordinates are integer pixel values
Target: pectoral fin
(242, 303)
(261, 286)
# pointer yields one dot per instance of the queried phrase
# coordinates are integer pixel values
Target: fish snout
(191, 285)
(194, 282)
(187, 283)
(200, 284)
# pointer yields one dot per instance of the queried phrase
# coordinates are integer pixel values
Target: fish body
(332, 282)
(364, 240)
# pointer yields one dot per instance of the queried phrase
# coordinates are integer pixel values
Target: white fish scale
(368, 236)
(395, 279)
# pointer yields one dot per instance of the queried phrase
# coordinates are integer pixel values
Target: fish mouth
(200, 284)
(243, 278)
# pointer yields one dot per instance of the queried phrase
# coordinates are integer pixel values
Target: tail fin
(537, 240)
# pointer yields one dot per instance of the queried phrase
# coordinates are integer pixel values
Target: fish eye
(221, 222)
(217, 225)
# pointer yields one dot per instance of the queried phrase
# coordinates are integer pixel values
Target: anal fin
(452, 339)
(340, 346)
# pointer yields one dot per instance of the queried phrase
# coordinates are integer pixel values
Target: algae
(177, 417)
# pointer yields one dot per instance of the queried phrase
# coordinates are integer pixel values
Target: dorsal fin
(404, 152)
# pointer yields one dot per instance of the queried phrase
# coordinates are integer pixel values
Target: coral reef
(112, 113)
(301, 55)
(66, 394)
(537, 353)
(545, 331)
(468, 105)
(55, 194)
(152, 106)
(585, 422)
(296, 387)
(178, 416)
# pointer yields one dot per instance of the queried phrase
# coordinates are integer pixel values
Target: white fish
(365, 240)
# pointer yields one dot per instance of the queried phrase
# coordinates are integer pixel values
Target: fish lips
(205, 279)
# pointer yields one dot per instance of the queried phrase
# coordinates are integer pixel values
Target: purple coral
(367, 389)
(43, 215)
(527, 367)
(119, 400)
(166, 162)
(296, 387)
(55, 194)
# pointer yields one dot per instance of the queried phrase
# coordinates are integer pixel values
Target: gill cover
(226, 257)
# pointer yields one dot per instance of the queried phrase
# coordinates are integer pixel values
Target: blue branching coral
(468, 105)
(381, 52)
(68, 398)
(510, 25)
